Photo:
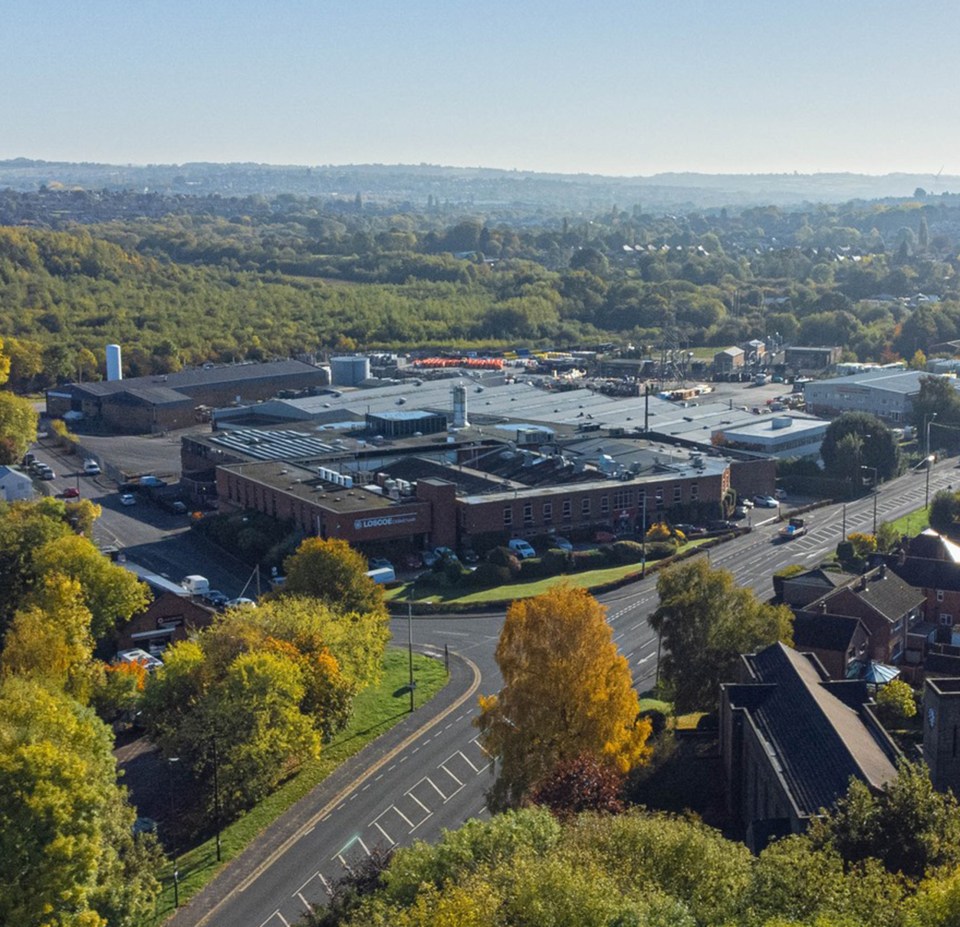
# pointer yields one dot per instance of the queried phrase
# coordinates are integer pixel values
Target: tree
(938, 397)
(910, 827)
(49, 638)
(70, 858)
(332, 571)
(855, 440)
(113, 595)
(896, 701)
(580, 784)
(18, 427)
(705, 622)
(944, 510)
(566, 692)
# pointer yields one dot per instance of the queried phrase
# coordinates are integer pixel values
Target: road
(430, 773)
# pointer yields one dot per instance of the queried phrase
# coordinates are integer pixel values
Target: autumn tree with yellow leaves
(566, 692)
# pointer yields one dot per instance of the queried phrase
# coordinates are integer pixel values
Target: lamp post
(927, 422)
(410, 638)
(172, 760)
(928, 460)
(875, 493)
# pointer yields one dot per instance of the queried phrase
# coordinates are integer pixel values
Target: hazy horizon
(623, 90)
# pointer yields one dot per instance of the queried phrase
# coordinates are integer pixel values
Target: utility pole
(410, 640)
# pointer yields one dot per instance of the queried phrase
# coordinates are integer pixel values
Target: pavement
(253, 877)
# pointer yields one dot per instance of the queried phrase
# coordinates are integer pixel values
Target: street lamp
(927, 422)
(875, 494)
(928, 460)
(410, 638)
(173, 840)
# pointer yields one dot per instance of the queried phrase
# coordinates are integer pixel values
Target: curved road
(429, 772)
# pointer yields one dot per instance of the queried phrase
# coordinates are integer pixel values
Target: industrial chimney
(114, 363)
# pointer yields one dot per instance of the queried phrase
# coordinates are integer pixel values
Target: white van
(196, 585)
(521, 548)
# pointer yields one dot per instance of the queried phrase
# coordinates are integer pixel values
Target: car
(430, 557)
(217, 598)
(523, 549)
(741, 511)
(241, 602)
(91, 468)
(765, 502)
(780, 494)
(469, 556)
(722, 525)
(690, 531)
(411, 561)
(128, 498)
(178, 508)
(71, 492)
(561, 544)
(47, 474)
(604, 537)
(380, 563)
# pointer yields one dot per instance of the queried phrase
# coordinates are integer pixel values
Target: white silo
(351, 370)
(460, 407)
(114, 362)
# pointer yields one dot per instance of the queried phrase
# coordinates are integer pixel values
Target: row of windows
(622, 499)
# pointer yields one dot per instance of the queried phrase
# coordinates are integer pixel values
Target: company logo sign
(383, 521)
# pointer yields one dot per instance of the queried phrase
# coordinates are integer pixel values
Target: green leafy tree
(938, 397)
(70, 858)
(887, 537)
(944, 511)
(113, 595)
(896, 701)
(18, 426)
(566, 692)
(332, 571)
(706, 621)
(909, 827)
(858, 439)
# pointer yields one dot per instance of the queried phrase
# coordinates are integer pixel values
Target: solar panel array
(274, 445)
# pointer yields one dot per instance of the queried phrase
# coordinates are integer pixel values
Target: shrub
(661, 549)
(504, 557)
(591, 559)
(490, 574)
(556, 561)
(660, 531)
(627, 552)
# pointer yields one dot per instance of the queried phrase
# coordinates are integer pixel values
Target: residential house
(840, 642)
(15, 485)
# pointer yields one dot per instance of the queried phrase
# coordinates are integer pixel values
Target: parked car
(216, 598)
(561, 544)
(71, 492)
(523, 549)
(47, 474)
(741, 511)
(379, 563)
(722, 525)
(128, 498)
(690, 531)
(765, 502)
(241, 602)
(430, 557)
(780, 494)
(469, 556)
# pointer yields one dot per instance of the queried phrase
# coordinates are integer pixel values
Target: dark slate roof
(816, 741)
(824, 631)
(199, 377)
(881, 590)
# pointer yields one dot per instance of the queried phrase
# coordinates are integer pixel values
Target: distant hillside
(476, 187)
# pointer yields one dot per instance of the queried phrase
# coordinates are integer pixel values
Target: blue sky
(630, 88)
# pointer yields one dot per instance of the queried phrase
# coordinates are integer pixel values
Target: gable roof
(822, 631)
(882, 591)
(816, 739)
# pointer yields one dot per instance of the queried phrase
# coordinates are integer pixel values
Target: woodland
(180, 281)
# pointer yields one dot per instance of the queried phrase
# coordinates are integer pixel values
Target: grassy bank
(376, 710)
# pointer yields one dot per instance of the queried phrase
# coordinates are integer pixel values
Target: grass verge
(912, 523)
(375, 711)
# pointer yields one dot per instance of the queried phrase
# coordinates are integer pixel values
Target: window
(677, 493)
(623, 499)
(604, 505)
(585, 506)
(528, 513)
(507, 516)
(567, 510)
(946, 620)
(939, 595)
(659, 498)
(547, 512)
(694, 492)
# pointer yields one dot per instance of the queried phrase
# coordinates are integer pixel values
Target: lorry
(793, 529)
